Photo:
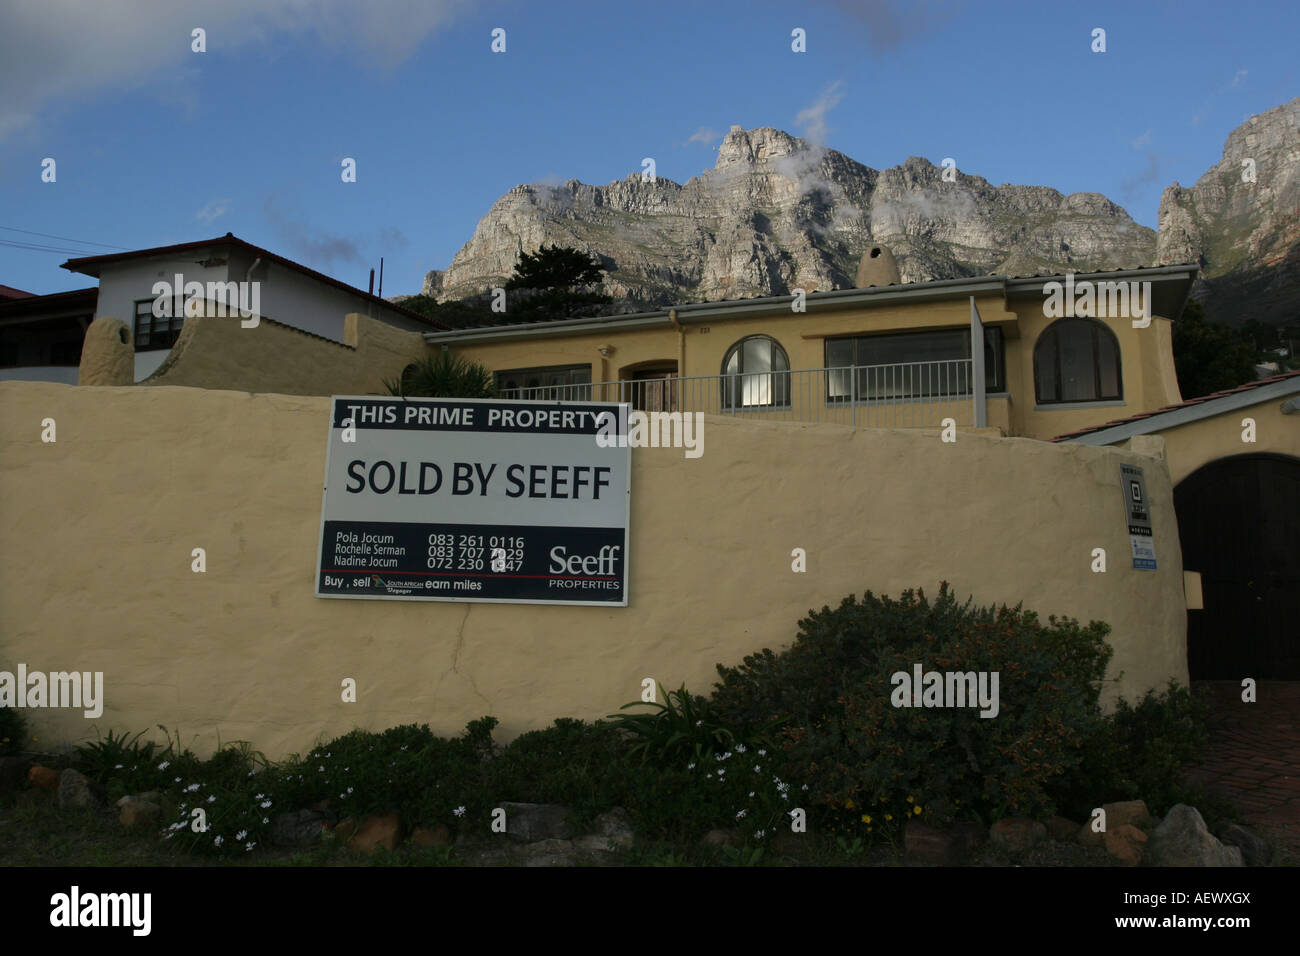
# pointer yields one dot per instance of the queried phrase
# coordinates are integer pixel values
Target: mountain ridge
(777, 212)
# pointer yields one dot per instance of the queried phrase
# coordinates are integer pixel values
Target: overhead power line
(42, 248)
(46, 235)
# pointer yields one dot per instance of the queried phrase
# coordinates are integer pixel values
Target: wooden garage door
(1239, 521)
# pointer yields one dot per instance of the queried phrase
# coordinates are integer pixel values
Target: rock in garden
(375, 832)
(1125, 843)
(530, 822)
(549, 852)
(925, 844)
(1062, 830)
(43, 778)
(717, 838)
(1126, 812)
(1184, 840)
(74, 790)
(431, 836)
(137, 812)
(1255, 851)
(1016, 834)
(616, 827)
(300, 828)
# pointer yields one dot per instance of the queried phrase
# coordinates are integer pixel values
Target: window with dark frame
(153, 333)
(756, 373)
(909, 365)
(1077, 360)
(549, 382)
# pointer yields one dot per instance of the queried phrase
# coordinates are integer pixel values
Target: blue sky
(156, 144)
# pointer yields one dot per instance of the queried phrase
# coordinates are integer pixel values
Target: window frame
(1051, 335)
(995, 377)
(733, 383)
(571, 390)
(172, 332)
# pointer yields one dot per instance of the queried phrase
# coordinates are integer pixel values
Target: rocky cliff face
(1245, 234)
(778, 213)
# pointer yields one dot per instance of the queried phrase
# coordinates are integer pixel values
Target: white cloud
(57, 50)
(212, 209)
(811, 120)
(705, 135)
(1143, 141)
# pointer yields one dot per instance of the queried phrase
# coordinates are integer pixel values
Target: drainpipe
(681, 342)
(253, 321)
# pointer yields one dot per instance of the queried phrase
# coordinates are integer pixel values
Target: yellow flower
(868, 829)
(889, 816)
(849, 805)
(909, 799)
(866, 818)
(916, 809)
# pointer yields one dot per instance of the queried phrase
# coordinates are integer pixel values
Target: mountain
(778, 213)
(1246, 235)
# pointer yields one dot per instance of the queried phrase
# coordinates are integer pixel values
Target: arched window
(752, 374)
(1077, 360)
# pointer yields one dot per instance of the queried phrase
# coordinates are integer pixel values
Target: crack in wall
(455, 658)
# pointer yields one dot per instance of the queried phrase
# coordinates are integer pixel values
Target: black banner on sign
(485, 562)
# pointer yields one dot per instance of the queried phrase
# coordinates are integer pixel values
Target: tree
(444, 375)
(1210, 356)
(555, 268)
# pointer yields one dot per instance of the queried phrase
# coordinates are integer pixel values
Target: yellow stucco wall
(218, 352)
(1190, 446)
(99, 527)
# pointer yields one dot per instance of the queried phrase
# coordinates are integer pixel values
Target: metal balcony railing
(909, 395)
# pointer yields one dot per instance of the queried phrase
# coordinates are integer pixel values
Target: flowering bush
(861, 753)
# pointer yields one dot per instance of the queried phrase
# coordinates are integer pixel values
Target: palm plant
(444, 375)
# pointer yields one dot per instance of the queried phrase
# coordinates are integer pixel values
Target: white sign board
(441, 499)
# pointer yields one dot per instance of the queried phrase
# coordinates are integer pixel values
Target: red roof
(1187, 404)
(9, 292)
(89, 265)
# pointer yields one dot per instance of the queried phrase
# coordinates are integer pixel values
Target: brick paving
(1253, 757)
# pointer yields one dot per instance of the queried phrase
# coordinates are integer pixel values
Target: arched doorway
(1239, 522)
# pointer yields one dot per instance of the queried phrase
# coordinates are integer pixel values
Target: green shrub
(113, 756)
(13, 731)
(407, 769)
(235, 799)
(678, 728)
(586, 767)
(871, 764)
(1138, 751)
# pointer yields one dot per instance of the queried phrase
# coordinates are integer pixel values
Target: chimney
(877, 267)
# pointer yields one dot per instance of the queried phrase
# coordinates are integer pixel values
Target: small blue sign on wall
(1137, 513)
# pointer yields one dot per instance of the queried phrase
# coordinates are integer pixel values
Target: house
(41, 335)
(1234, 458)
(1059, 352)
(155, 290)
